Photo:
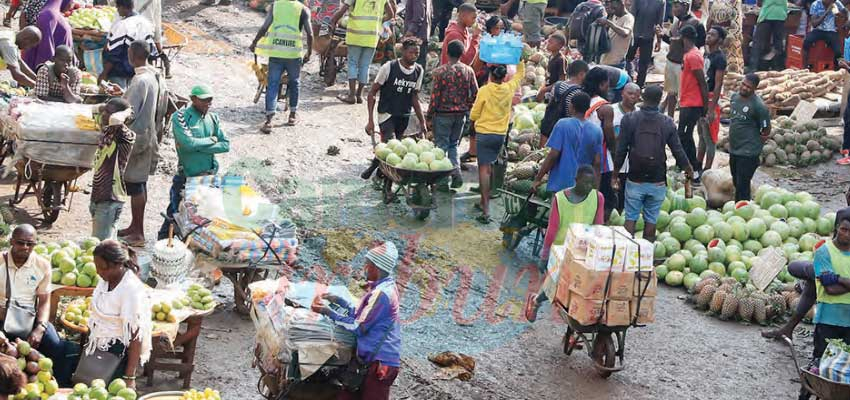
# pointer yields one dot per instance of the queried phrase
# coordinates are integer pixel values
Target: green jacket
(196, 149)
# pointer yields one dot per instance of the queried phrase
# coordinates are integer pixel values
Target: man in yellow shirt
(491, 114)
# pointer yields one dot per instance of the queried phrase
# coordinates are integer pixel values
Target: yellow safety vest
(364, 23)
(283, 39)
(571, 213)
(840, 266)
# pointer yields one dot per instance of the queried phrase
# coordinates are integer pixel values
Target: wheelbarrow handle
(790, 344)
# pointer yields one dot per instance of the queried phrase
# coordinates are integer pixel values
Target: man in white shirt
(30, 287)
(620, 31)
(152, 10)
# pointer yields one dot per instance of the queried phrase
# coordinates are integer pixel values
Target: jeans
(175, 195)
(532, 21)
(742, 168)
(644, 45)
(423, 54)
(646, 197)
(277, 66)
(688, 117)
(104, 217)
(447, 131)
(831, 40)
(359, 59)
(772, 32)
(442, 15)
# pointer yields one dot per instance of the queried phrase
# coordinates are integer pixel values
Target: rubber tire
(50, 199)
(604, 353)
(422, 214)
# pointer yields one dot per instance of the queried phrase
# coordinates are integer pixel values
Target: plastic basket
(503, 49)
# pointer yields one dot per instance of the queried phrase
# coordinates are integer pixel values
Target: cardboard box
(585, 311)
(618, 313)
(640, 254)
(563, 294)
(646, 315)
(590, 283)
(579, 236)
(648, 281)
(605, 255)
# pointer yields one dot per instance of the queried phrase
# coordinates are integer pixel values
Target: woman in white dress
(120, 320)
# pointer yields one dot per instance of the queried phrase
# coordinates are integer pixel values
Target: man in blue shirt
(375, 323)
(822, 14)
(574, 142)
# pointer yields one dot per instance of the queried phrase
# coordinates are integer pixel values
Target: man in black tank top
(398, 84)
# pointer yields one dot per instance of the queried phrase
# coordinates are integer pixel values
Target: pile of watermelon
(697, 243)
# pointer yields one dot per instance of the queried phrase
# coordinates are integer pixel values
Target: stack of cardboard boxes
(594, 258)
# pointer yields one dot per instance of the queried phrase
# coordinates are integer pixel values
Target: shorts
(393, 127)
(646, 197)
(104, 217)
(488, 146)
(672, 77)
(135, 189)
(532, 21)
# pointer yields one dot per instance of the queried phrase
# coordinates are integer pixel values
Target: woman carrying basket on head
(580, 204)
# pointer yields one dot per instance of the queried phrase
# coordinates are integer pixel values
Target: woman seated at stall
(55, 31)
(130, 27)
(580, 204)
(120, 320)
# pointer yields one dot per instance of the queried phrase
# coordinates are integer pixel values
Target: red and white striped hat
(384, 256)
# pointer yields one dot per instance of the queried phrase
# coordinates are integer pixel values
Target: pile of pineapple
(520, 176)
(728, 299)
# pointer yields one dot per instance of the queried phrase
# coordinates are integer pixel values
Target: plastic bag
(835, 362)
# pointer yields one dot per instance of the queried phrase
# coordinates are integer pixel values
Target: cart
(174, 42)
(287, 382)
(333, 58)
(598, 338)
(261, 71)
(523, 215)
(52, 185)
(418, 187)
(817, 385)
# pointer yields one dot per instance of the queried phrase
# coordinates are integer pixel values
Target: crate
(821, 57)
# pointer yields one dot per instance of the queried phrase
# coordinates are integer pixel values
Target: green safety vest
(364, 23)
(283, 39)
(571, 213)
(841, 266)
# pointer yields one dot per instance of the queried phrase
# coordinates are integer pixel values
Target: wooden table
(57, 291)
(182, 350)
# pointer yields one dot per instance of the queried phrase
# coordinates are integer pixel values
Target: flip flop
(484, 219)
(843, 161)
(137, 243)
(345, 99)
(531, 307)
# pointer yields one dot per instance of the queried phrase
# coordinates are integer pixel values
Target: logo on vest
(283, 42)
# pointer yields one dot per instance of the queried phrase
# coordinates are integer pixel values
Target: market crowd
(608, 127)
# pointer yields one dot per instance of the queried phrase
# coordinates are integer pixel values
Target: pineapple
(730, 305)
(789, 296)
(759, 311)
(745, 308)
(793, 304)
(728, 281)
(777, 302)
(705, 295)
(717, 301)
(524, 171)
(727, 288)
(711, 279)
(524, 150)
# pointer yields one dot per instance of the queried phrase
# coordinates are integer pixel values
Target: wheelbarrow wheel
(422, 214)
(603, 353)
(51, 198)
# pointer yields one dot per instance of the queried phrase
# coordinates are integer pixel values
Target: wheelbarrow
(418, 187)
(822, 388)
(52, 185)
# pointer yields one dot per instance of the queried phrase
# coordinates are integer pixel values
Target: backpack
(557, 107)
(596, 44)
(647, 152)
(582, 18)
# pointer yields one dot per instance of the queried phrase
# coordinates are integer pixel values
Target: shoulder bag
(19, 318)
(354, 375)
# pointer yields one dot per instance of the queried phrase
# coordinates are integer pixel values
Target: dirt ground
(461, 291)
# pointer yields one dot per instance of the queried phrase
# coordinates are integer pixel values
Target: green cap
(202, 92)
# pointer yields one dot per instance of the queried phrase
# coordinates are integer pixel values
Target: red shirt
(470, 44)
(689, 93)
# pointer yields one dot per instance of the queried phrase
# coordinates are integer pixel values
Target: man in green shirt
(770, 34)
(198, 138)
(749, 129)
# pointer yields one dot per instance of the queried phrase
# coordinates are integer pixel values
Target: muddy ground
(461, 291)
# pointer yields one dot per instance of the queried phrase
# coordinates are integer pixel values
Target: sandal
(531, 307)
(293, 119)
(266, 128)
(484, 219)
(345, 99)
